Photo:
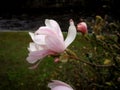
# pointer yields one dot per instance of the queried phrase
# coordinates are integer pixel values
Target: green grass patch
(14, 72)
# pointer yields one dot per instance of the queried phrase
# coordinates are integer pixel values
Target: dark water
(23, 15)
(33, 22)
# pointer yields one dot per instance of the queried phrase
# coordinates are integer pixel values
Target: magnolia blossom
(49, 40)
(82, 27)
(59, 85)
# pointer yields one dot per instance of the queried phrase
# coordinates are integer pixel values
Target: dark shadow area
(30, 14)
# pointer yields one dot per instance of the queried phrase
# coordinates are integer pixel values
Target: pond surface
(26, 22)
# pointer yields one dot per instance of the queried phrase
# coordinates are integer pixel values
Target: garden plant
(96, 65)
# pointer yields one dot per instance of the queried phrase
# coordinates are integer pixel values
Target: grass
(14, 72)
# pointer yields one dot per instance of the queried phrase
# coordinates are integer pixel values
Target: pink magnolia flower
(82, 27)
(59, 85)
(48, 40)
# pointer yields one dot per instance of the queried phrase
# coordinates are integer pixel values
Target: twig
(92, 64)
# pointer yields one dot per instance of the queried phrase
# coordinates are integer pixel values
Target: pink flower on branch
(59, 85)
(49, 40)
(82, 27)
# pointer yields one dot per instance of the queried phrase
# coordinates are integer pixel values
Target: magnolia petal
(36, 55)
(53, 41)
(45, 31)
(32, 47)
(35, 47)
(55, 44)
(34, 66)
(59, 85)
(82, 27)
(56, 60)
(84, 24)
(40, 39)
(61, 88)
(71, 34)
(55, 27)
(32, 35)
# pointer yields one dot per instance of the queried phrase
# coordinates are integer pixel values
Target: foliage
(97, 65)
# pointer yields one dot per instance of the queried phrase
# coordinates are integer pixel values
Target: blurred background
(30, 14)
(100, 47)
